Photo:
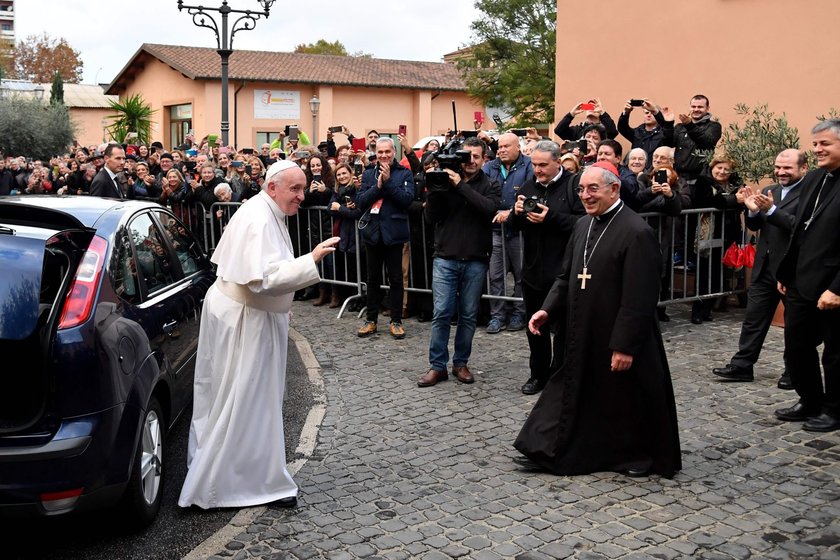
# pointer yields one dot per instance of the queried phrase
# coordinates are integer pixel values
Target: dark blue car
(100, 301)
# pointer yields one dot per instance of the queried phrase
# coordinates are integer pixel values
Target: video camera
(451, 156)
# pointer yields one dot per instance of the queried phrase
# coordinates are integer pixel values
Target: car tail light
(80, 299)
(57, 501)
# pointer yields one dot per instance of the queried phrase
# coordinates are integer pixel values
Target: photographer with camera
(385, 195)
(461, 205)
(511, 169)
(546, 210)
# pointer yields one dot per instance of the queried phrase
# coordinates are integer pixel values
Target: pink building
(269, 90)
(776, 52)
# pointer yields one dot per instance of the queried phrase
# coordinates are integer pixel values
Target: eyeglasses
(591, 189)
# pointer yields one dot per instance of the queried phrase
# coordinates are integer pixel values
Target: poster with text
(276, 104)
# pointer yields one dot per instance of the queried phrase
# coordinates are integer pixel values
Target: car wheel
(142, 497)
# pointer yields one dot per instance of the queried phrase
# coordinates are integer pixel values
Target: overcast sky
(107, 33)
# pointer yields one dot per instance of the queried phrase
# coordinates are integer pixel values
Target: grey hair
(549, 147)
(832, 125)
(222, 187)
(607, 176)
(386, 140)
(637, 150)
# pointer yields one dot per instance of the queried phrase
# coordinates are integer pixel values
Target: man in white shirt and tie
(106, 183)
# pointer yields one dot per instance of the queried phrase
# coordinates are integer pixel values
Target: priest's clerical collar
(610, 211)
(556, 177)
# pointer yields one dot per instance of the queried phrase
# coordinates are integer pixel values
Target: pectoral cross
(584, 277)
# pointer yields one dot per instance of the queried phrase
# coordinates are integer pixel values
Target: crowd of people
(561, 218)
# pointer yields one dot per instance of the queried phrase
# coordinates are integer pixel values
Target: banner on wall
(276, 104)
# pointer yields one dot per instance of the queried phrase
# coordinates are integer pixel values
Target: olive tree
(29, 127)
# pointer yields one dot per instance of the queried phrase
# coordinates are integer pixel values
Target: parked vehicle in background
(100, 301)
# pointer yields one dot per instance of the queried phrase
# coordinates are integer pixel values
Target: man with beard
(611, 406)
(773, 212)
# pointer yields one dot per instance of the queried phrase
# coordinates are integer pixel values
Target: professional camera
(451, 157)
(530, 203)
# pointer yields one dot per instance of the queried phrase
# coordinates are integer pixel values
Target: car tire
(141, 500)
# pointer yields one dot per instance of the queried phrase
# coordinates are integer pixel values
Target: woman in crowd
(320, 188)
(345, 214)
(174, 188)
(144, 185)
(720, 188)
(570, 162)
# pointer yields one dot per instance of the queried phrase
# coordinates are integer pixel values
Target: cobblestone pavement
(405, 472)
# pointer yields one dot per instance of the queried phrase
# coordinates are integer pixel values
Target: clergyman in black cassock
(611, 406)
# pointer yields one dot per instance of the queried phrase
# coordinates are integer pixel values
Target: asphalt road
(175, 532)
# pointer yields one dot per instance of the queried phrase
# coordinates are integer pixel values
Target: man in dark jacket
(511, 169)
(774, 213)
(595, 115)
(655, 131)
(461, 209)
(7, 179)
(385, 195)
(696, 135)
(810, 274)
(546, 227)
(108, 182)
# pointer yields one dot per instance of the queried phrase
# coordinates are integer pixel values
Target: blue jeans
(455, 284)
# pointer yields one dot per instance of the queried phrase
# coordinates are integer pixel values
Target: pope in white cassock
(236, 455)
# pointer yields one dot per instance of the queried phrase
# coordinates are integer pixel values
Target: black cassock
(588, 418)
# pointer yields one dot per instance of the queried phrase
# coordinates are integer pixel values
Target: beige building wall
(732, 51)
(359, 108)
(90, 124)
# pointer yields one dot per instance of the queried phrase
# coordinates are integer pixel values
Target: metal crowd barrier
(691, 268)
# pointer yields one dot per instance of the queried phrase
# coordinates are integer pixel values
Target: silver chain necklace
(584, 275)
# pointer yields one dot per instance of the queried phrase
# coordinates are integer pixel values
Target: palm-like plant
(133, 115)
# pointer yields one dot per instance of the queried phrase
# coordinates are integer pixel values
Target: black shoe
(797, 413)
(532, 386)
(637, 472)
(663, 316)
(696, 320)
(708, 317)
(785, 382)
(289, 502)
(734, 373)
(825, 422)
(527, 464)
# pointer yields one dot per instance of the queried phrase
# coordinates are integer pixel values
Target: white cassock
(236, 455)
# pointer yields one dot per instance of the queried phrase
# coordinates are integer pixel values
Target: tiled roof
(83, 96)
(266, 66)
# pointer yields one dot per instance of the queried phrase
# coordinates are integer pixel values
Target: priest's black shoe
(734, 373)
(533, 386)
(785, 382)
(529, 465)
(637, 472)
(289, 502)
(823, 423)
(797, 413)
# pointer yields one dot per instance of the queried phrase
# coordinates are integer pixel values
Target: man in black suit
(107, 182)
(773, 212)
(809, 276)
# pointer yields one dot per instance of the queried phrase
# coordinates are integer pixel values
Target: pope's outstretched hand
(324, 248)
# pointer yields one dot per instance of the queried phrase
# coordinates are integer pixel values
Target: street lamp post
(224, 42)
(314, 105)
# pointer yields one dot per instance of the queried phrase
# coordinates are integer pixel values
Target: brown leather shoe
(463, 374)
(432, 377)
(367, 329)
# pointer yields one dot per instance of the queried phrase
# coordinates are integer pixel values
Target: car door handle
(169, 327)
